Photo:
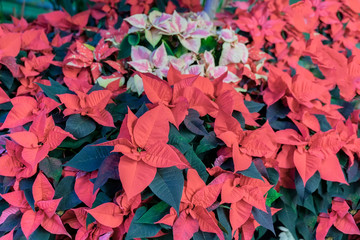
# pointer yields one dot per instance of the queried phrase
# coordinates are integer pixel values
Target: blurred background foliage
(30, 9)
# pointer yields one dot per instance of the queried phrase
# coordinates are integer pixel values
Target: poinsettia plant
(151, 119)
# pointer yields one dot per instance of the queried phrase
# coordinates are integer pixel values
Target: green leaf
(324, 124)
(180, 142)
(223, 220)
(177, 140)
(73, 144)
(291, 2)
(239, 117)
(155, 213)
(251, 172)
(168, 49)
(11, 222)
(311, 185)
(200, 235)
(273, 176)
(272, 195)
(51, 167)
(193, 122)
(305, 224)
(54, 89)
(90, 157)
(287, 216)
(107, 170)
(180, 50)
(141, 230)
(309, 204)
(208, 44)
(125, 48)
(197, 164)
(161, 5)
(65, 190)
(6, 77)
(26, 185)
(289, 197)
(253, 106)
(207, 143)
(264, 218)
(134, 39)
(40, 233)
(80, 126)
(168, 186)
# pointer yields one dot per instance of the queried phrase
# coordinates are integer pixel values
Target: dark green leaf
(264, 218)
(336, 189)
(40, 233)
(108, 169)
(177, 140)
(223, 220)
(26, 185)
(125, 48)
(143, 109)
(180, 142)
(291, 2)
(289, 197)
(193, 122)
(353, 173)
(11, 221)
(117, 111)
(207, 143)
(287, 216)
(254, 106)
(51, 167)
(90, 157)
(80, 126)
(155, 213)
(111, 187)
(239, 117)
(6, 77)
(259, 164)
(161, 5)
(311, 185)
(251, 172)
(65, 190)
(168, 186)
(73, 144)
(134, 39)
(324, 124)
(197, 164)
(204, 236)
(54, 89)
(140, 230)
(309, 204)
(273, 176)
(276, 114)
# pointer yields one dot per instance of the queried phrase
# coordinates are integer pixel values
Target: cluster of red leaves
(194, 156)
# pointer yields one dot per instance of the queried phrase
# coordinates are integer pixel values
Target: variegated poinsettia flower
(135, 84)
(185, 64)
(142, 23)
(203, 21)
(232, 50)
(214, 72)
(190, 32)
(145, 61)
